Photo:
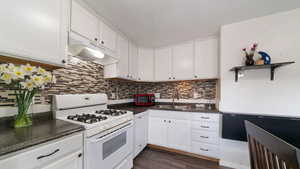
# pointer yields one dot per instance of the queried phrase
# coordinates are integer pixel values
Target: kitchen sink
(166, 106)
(180, 107)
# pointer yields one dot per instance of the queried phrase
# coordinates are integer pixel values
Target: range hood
(86, 50)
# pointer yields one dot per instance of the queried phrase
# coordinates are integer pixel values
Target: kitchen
(171, 91)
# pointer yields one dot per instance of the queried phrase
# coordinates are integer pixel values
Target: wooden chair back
(270, 152)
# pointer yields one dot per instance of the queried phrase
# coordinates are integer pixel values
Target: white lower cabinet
(196, 133)
(172, 131)
(72, 161)
(158, 130)
(179, 134)
(141, 132)
(65, 153)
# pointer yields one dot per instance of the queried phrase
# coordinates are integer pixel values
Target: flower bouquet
(249, 55)
(26, 81)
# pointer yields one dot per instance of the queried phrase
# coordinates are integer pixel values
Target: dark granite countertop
(185, 107)
(44, 129)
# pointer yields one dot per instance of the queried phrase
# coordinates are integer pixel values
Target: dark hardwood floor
(158, 159)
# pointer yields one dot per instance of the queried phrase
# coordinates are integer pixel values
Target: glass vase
(22, 120)
(24, 100)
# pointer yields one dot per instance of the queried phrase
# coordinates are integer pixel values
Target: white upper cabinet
(123, 55)
(133, 61)
(183, 61)
(163, 64)
(146, 64)
(36, 31)
(84, 23)
(206, 58)
(108, 37)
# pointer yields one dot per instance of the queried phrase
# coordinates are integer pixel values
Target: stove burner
(87, 118)
(111, 112)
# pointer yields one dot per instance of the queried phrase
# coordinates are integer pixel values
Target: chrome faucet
(175, 95)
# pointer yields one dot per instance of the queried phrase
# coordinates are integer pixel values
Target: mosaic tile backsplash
(86, 77)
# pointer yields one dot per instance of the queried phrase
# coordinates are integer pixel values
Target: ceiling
(156, 23)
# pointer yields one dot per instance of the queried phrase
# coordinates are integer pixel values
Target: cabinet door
(146, 64)
(163, 64)
(123, 54)
(145, 122)
(108, 37)
(183, 61)
(72, 161)
(83, 22)
(139, 134)
(206, 59)
(133, 61)
(157, 132)
(32, 30)
(179, 134)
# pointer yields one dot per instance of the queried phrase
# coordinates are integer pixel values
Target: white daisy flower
(3, 68)
(6, 77)
(41, 71)
(11, 67)
(48, 77)
(18, 73)
(37, 80)
(28, 69)
(28, 84)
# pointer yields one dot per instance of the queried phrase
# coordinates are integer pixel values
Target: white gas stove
(108, 135)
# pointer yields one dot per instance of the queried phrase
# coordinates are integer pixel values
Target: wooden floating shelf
(272, 68)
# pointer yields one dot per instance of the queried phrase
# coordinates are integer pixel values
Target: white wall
(279, 35)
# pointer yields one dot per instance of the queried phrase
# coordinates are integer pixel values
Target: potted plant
(249, 55)
(26, 81)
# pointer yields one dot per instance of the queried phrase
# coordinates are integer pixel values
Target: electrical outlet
(195, 95)
(113, 95)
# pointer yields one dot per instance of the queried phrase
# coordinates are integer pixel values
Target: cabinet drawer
(210, 137)
(159, 113)
(205, 149)
(42, 155)
(209, 117)
(208, 126)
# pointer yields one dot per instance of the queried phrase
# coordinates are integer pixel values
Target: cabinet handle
(203, 149)
(96, 39)
(63, 61)
(204, 136)
(79, 155)
(196, 76)
(169, 121)
(170, 78)
(205, 118)
(173, 77)
(165, 120)
(204, 127)
(43, 156)
(102, 42)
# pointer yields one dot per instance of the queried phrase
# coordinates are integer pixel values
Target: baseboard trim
(183, 153)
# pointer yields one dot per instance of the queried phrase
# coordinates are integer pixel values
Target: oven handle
(115, 132)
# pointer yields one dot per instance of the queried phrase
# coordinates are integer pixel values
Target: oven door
(108, 151)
